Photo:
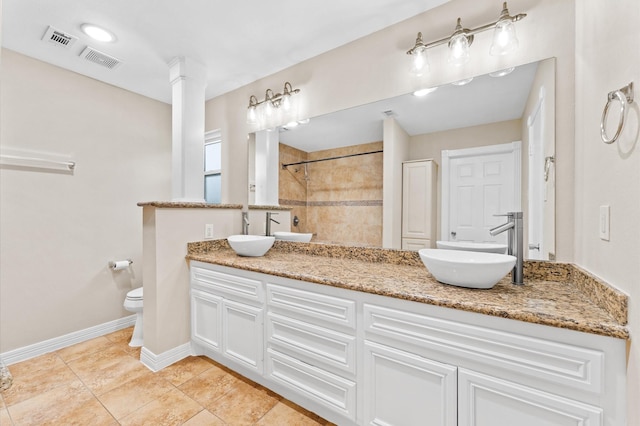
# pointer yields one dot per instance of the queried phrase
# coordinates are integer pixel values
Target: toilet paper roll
(119, 265)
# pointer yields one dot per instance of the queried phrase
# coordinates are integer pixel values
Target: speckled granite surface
(256, 207)
(187, 205)
(555, 294)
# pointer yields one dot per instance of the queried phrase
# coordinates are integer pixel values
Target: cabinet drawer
(306, 304)
(332, 391)
(232, 286)
(577, 367)
(314, 344)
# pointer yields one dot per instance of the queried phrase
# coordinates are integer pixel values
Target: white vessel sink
(293, 236)
(250, 245)
(470, 246)
(467, 268)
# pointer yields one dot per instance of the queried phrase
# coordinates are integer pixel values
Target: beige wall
(59, 231)
(376, 67)
(342, 198)
(607, 41)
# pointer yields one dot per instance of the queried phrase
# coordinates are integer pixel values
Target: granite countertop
(555, 294)
(187, 205)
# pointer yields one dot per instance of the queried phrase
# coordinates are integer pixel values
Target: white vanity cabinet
(311, 343)
(419, 188)
(227, 315)
(357, 358)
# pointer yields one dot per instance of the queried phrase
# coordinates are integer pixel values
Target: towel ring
(624, 96)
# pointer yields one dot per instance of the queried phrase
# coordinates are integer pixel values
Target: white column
(267, 163)
(188, 82)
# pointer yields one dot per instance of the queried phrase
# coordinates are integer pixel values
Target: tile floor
(102, 382)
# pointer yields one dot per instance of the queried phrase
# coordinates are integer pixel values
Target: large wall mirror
(341, 173)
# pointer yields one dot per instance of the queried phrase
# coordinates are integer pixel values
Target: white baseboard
(157, 362)
(47, 346)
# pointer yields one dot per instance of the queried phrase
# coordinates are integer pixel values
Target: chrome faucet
(269, 220)
(514, 241)
(245, 223)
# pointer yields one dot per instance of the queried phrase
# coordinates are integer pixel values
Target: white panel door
(406, 389)
(243, 334)
(206, 319)
(489, 401)
(481, 183)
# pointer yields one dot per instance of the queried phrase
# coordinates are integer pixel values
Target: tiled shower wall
(337, 200)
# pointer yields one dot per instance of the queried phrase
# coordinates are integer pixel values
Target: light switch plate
(208, 230)
(604, 222)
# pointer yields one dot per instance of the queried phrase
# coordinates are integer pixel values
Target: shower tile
(244, 404)
(171, 408)
(127, 398)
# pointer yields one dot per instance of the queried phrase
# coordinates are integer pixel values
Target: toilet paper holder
(120, 264)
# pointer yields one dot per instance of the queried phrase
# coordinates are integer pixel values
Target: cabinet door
(243, 334)
(418, 200)
(415, 244)
(206, 311)
(402, 388)
(490, 401)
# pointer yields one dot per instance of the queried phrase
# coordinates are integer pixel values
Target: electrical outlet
(208, 230)
(604, 222)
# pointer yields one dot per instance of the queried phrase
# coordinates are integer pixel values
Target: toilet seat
(135, 294)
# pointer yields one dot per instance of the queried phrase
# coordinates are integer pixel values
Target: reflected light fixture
(274, 109)
(504, 41)
(98, 33)
(424, 92)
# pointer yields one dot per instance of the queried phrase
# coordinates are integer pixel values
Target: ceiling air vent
(93, 55)
(59, 38)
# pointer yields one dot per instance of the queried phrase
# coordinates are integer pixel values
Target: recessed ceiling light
(423, 92)
(98, 33)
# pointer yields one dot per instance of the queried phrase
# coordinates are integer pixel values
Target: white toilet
(133, 303)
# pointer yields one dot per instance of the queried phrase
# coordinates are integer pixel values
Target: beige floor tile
(120, 336)
(42, 362)
(85, 348)
(109, 374)
(90, 413)
(209, 386)
(244, 404)
(50, 405)
(172, 408)
(5, 419)
(290, 415)
(127, 398)
(185, 370)
(98, 360)
(204, 418)
(28, 383)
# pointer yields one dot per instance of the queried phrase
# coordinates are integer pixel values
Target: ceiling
(484, 100)
(238, 41)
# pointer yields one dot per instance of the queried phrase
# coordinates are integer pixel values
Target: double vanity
(368, 336)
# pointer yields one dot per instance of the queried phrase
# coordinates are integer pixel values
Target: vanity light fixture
(504, 41)
(274, 109)
(98, 33)
(424, 92)
(502, 73)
